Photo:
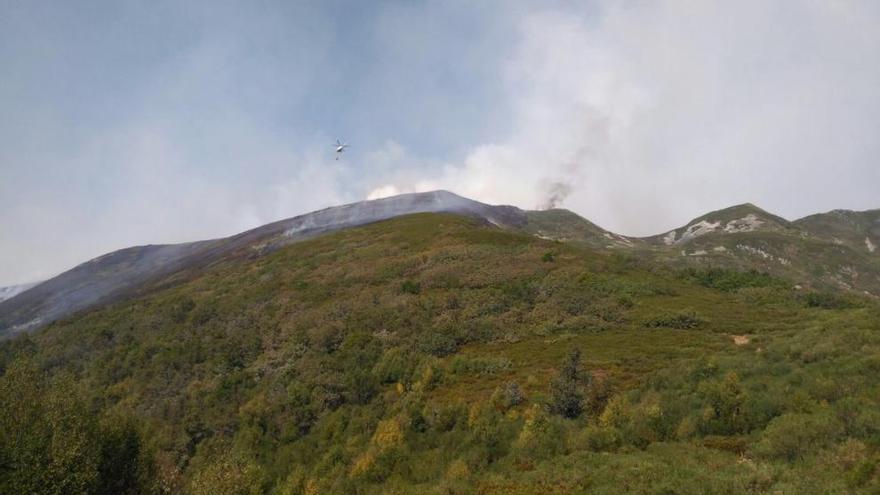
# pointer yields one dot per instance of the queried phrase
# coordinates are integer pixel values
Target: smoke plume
(554, 194)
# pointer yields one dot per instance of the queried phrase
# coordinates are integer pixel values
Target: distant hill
(736, 219)
(836, 250)
(566, 226)
(859, 230)
(13, 290)
(827, 251)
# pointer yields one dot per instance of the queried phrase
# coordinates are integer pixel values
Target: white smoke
(653, 113)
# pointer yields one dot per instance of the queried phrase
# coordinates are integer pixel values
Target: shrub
(732, 280)
(616, 413)
(520, 291)
(723, 413)
(859, 417)
(598, 393)
(548, 257)
(480, 365)
(566, 398)
(540, 436)
(599, 439)
(791, 436)
(233, 475)
(410, 287)
(735, 445)
(458, 470)
(395, 365)
(48, 437)
(507, 396)
(682, 320)
(826, 300)
(487, 434)
(513, 395)
(388, 435)
(646, 423)
(438, 344)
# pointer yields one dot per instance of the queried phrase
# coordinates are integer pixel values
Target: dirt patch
(740, 339)
(599, 374)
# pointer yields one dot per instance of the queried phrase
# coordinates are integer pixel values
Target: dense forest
(433, 353)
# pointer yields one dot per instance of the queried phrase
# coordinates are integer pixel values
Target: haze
(127, 123)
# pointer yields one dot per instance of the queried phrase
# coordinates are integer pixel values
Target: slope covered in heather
(121, 274)
(830, 251)
(437, 353)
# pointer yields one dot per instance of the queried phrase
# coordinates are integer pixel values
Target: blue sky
(129, 123)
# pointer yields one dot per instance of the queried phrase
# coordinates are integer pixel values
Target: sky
(143, 122)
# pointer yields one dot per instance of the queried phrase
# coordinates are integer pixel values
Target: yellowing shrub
(388, 434)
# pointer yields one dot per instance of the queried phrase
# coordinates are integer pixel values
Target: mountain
(736, 219)
(126, 272)
(823, 251)
(13, 290)
(859, 230)
(439, 353)
(566, 226)
(836, 250)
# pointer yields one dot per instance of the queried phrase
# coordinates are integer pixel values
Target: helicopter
(340, 148)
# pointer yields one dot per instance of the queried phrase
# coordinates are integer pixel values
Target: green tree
(566, 398)
(724, 412)
(122, 465)
(49, 441)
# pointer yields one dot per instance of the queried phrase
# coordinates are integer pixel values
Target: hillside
(808, 252)
(830, 251)
(13, 290)
(859, 230)
(566, 226)
(128, 272)
(432, 353)
(736, 219)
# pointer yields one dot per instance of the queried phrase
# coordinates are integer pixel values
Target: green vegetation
(566, 398)
(732, 280)
(682, 320)
(432, 354)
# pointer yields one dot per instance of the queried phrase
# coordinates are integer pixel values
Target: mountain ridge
(122, 273)
(742, 236)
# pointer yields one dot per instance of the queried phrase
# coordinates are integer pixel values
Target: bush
(48, 436)
(599, 439)
(827, 300)
(682, 320)
(540, 437)
(513, 395)
(792, 436)
(480, 365)
(732, 280)
(566, 398)
(598, 394)
(723, 413)
(520, 290)
(438, 344)
(396, 365)
(735, 445)
(507, 396)
(230, 474)
(410, 287)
